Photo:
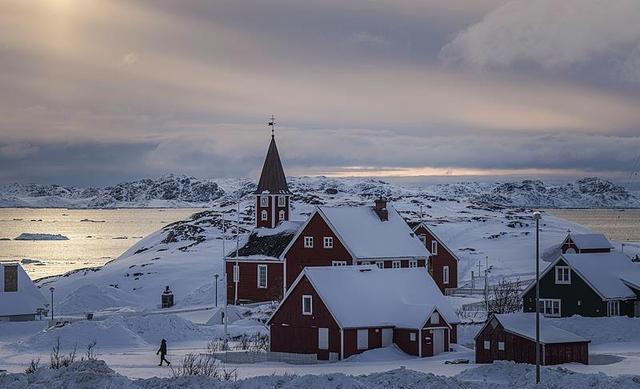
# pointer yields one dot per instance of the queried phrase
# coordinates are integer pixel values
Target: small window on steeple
(281, 215)
(264, 201)
(282, 201)
(264, 215)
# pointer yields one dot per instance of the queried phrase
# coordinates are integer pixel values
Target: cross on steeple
(272, 123)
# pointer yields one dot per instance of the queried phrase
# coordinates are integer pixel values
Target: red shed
(336, 312)
(512, 337)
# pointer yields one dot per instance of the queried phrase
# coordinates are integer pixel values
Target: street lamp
(537, 216)
(216, 277)
(51, 289)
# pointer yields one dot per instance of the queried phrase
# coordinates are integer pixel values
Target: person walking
(163, 352)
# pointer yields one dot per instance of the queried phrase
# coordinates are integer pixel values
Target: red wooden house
(443, 263)
(585, 243)
(512, 337)
(336, 312)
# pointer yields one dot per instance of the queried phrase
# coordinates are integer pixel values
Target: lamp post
(216, 277)
(51, 289)
(537, 216)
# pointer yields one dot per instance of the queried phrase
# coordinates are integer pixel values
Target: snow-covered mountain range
(174, 191)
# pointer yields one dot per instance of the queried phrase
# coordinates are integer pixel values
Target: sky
(98, 92)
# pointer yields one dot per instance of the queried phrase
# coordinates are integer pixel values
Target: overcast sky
(95, 92)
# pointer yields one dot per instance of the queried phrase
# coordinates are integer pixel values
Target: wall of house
(439, 261)
(517, 349)
(569, 244)
(293, 332)
(577, 298)
(298, 257)
(248, 290)
(556, 354)
(402, 339)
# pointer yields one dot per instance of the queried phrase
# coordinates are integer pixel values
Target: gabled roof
(272, 178)
(608, 274)
(524, 325)
(590, 241)
(23, 302)
(414, 227)
(365, 296)
(266, 244)
(367, 237)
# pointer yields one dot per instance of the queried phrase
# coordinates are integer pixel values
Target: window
(264, 201)
(445, 274)
(380, 264)
(550, 307)
(328, 242)
(413, 263)
(264, 215)
(323, 338)
(282, 201)
(563, 275)
(412, 336)
(395, 264)
(308, 242)
(487, 345)
(307, 304)
(434, 247)
(262, 276)
(500, 346)
(363, 339)
(423, 238)
(236, 273)
(435, 318)
(338, 263)
(613, 308)
(10, 278)
(281, 215)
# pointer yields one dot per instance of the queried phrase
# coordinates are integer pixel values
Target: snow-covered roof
(605, 272)
(23, 302)
(366, 296)
(524, 324)
(590, 241)
(266, 244)
(368, 237)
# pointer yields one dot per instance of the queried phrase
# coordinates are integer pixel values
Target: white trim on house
(445, 274)
(551, 302)
(310, 299)
(308, 242)
(413, 263)
(266, 276)
(613, 308)
(327, 242)
(397, 264)
(434, 247)
(338, 263)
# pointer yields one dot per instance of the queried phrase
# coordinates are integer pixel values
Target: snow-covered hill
(174, 191)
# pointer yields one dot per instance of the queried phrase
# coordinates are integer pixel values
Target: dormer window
(563, 275)
(282, 201)
(264, 201)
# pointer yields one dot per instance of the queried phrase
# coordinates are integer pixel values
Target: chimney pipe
(380, 206)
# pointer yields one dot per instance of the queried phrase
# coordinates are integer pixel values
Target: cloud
(552, 34)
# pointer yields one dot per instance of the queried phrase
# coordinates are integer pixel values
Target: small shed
(512, 337)
(20, 299)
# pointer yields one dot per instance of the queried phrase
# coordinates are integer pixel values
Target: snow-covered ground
(124, 295)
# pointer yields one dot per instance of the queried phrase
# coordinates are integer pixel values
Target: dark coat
(163, 348)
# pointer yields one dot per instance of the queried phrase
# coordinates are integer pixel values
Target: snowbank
(91, 298)
(96, 374)
(31, 236)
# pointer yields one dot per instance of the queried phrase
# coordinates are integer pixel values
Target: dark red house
(585, 243)
(512, 337)
(443, 263)
(336, 312)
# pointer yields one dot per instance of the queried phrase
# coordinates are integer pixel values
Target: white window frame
(445, 274)
(266, 276)
(412, 336)
(363, 339)
(308, 242)
(613, 308)
(487, 345)
(281, 215)
(435, 318)
(264, 201)
(236, 273)
(548, 308)
(423, 238)
(413, 263)
(380, 264)
(500, 346)
(561, 272)
(264, 215)
(323, 338)
(282, 201)
(396, 264)
(338, 263)
(434, 247)
(310, 298)
(327, 242)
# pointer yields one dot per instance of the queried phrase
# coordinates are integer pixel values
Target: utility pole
(536, 217)
(236, 273)
(52, 289)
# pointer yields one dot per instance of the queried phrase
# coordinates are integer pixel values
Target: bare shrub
(505, 297)
(33, 366)
(204, 365)
(58, 360)
(91, 352)
(256, 342)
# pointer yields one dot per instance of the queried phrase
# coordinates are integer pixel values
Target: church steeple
(272, 193)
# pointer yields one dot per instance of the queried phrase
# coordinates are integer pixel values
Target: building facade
(443, 263)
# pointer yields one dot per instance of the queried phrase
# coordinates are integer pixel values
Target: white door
(363, 339)
(387, 337)
(438, 341)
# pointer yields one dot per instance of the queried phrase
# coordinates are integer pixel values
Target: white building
(20, 299)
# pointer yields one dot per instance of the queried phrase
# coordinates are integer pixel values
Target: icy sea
(95, 236)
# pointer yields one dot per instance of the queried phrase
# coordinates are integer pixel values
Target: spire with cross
(272, 123)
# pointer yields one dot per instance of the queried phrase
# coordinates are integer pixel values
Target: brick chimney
(380, 206)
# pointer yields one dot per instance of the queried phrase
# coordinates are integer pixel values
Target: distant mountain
(174, 191)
